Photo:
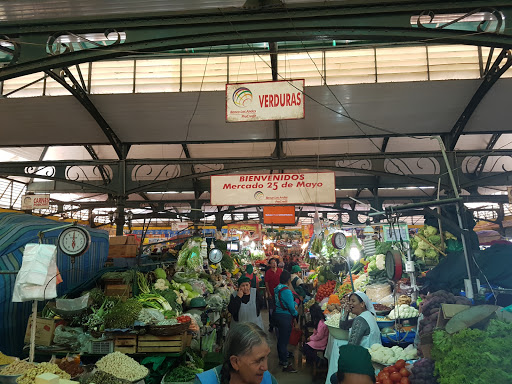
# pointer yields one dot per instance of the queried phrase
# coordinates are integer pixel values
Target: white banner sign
(35, 202)
(285, 188)
(272, 100)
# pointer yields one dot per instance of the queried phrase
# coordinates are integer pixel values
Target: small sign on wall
(35, 202)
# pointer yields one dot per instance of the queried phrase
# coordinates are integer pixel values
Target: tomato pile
(183, 319)
(394, 374)
(325, 290)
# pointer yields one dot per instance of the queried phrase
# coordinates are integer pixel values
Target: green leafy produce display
(123, 314)
(127, 276)
(97, 296)
(182, 374)
(474, 356)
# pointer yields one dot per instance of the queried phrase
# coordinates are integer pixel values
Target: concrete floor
(304, 374)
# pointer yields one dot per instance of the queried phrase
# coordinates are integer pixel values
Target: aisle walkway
(303, 376)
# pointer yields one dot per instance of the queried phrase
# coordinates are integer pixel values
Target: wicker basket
(168, 330)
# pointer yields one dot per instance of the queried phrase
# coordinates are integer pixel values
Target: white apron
(374, 336)
(247, 312)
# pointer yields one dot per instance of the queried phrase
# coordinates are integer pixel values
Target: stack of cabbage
(423, 250)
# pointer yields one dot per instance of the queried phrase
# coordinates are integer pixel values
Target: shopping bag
(295, 336)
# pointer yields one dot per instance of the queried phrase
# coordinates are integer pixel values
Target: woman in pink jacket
(318, 340)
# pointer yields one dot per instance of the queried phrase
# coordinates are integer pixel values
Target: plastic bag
(68, 336)
(388, 301)
(376, 292)
(215, 302)
(36, 279)
(198, 286)
(150, 316)
(73, 304)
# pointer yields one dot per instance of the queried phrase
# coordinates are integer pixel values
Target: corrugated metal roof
(397, 108)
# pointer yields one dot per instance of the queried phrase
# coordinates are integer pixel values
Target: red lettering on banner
(294, 101)
(287, 99)
(262, 99)
(266, 101)
(271, 100)
(299, 98)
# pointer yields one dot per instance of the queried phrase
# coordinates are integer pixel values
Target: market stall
(156, 314)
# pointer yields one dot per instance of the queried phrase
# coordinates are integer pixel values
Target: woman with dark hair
(245, 354)
(271, 282)
(318, 340)
(283, 317)
(363, 330)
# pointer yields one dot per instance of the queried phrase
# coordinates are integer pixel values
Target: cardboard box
(447, 312)
(45, 330)
(123, 246)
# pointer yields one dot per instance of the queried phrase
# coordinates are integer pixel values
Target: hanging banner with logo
(271, 100)
(272, 189)
(35, 202)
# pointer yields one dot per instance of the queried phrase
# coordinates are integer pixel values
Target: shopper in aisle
(364, 330)
(298, 283)
(283, 318)
(246, 304)
(245, 354)
(271, 281)
(354, 366)
(253, 277)
(318, 340)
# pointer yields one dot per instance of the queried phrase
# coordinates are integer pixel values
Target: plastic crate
(102, 347)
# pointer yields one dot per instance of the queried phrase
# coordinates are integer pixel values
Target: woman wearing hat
(245, 304)
(363, 330)
(253, 277)
(354, 366)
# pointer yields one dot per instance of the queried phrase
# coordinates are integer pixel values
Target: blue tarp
(18, 229)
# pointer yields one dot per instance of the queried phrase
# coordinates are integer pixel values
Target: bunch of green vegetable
(182, 374)
(123, 314)
(423, 250)
(154, 300)
(127, 276)
(227, 262)
(172, 298)
(474, 356)
(96, 295)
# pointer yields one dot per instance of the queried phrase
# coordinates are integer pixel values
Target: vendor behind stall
(298, 283)
(253, 277)
(364, 330)
(245, 304)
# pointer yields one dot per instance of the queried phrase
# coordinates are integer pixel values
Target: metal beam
(82, 96)
(385, 142)
(481, 163)
(389, 22)
(94, 156)
(157, 175)
(502, 63)
(195, 184)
